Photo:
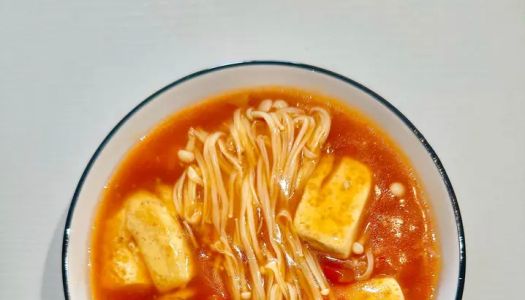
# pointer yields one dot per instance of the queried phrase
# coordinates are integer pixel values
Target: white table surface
(69, 70)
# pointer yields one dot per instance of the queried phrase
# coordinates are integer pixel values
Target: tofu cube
(161, 241)
(165, 193)
(328, 215)
(383, 288)
(123, 264)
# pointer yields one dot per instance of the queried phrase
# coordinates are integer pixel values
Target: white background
(69, 70)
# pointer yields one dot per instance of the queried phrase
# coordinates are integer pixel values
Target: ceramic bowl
(203, 84)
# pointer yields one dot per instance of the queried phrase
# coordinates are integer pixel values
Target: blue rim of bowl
(415, 131)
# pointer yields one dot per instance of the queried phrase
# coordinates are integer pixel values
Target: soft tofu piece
(165, 193)
(123, 265)
(161, 241)
(329, 213)
(383, 288)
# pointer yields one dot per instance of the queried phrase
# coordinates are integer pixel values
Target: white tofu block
(161, 241)
(382, 288)
(328, 215)
(123, 265)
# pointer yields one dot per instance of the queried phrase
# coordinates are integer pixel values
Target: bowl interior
(206, 83)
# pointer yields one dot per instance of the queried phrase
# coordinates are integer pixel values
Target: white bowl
(202, 84)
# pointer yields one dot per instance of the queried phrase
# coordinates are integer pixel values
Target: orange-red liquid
(401, 233)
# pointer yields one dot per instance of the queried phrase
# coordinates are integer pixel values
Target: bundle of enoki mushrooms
(239, 183)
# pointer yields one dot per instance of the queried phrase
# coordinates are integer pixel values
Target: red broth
(401, 233)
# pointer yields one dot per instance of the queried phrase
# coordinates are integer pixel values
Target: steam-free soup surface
(399, 230)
